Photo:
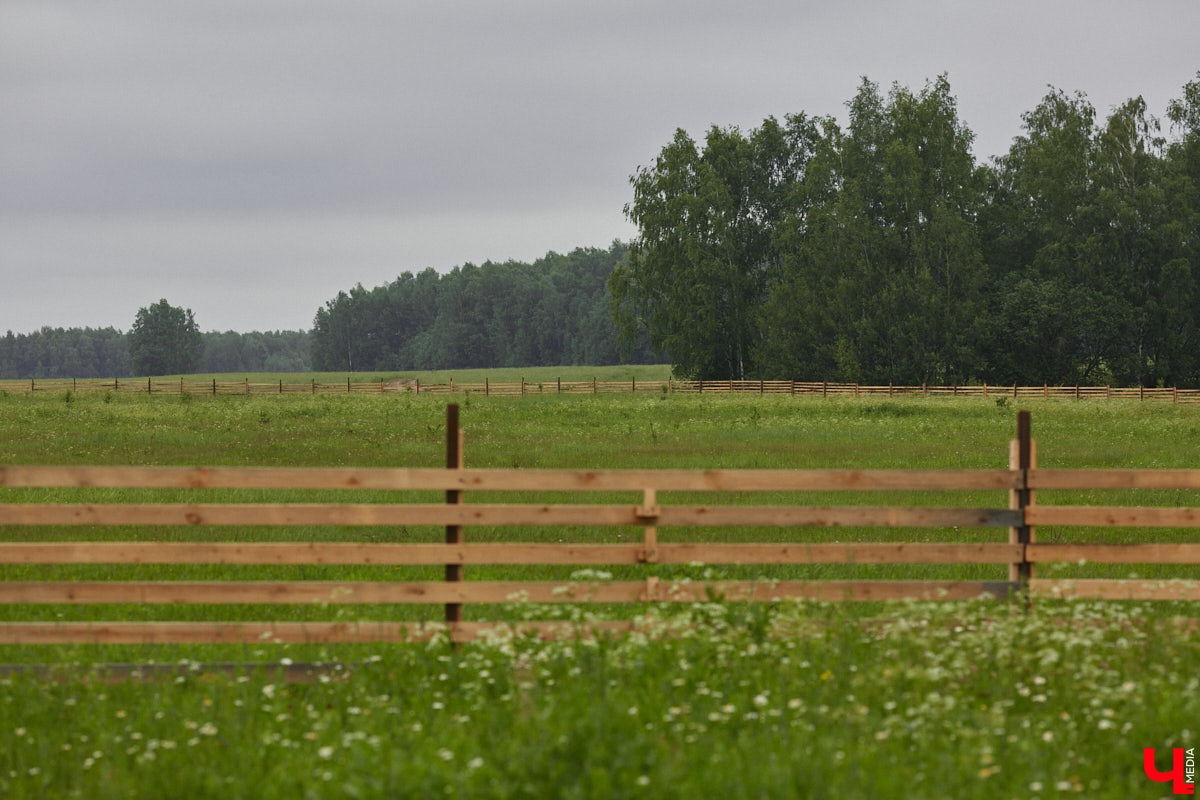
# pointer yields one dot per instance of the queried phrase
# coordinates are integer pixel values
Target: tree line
(105, 353)
(883, 251)
(554, 311)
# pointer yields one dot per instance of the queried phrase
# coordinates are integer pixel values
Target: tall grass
(786, 701)
(968, 700)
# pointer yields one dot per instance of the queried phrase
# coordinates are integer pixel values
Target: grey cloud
(521, 119)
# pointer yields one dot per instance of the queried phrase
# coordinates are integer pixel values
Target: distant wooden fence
(517, 388)
(1018, 549)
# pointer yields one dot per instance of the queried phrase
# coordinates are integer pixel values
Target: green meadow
(544, 375)
(808, 700)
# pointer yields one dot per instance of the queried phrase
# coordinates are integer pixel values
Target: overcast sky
(248, 159)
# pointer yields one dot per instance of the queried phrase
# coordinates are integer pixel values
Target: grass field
(547, 375)
(968, 700)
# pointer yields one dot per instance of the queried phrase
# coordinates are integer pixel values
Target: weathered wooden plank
(1114, 478)
(285, 632)
(224, 477)
(1114, 516)
(1144, 553)
(293, 514)
(304, 592)
(329, 592)
(500, 553)
(827, 591)
(732, 480)
(1097, 589)
(855, 516)
(500, 480)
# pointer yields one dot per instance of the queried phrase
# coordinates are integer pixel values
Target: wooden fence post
(633, 385)
(824, 388)
(281, 386)
(649, 513)
(522, 385)
(985, 390)
(1141, 392)
(314, 386)
(418, 386)
(247, 387)
(559, 384)
(181, 385)
(593, 384)
(347, 384)
(889, 388)
(487, 387)
(1021, 456)
(148, 389)
(1014, 390)
(454, 533)
(214, 387)
(1174, 394)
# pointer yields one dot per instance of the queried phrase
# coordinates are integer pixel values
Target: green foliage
(164, 340)
(703, 260)
(104, 353)
(553, 311)
(65, 353)
(883, 252)
(270, 351)
(882, 263)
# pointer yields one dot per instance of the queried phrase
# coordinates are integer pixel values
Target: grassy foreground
(934, 704)
(969, 700)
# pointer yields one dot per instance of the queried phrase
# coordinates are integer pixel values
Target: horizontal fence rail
(1017, 548)
(488, 387)
(508, 553)
(545, 480)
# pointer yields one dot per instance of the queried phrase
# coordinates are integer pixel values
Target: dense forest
(104, 353)
(555, 311)
(883, 251)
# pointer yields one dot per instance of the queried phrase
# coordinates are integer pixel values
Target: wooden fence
(1015, 543)
(520, 388)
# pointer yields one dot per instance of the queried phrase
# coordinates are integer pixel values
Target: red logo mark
(1183, 769)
